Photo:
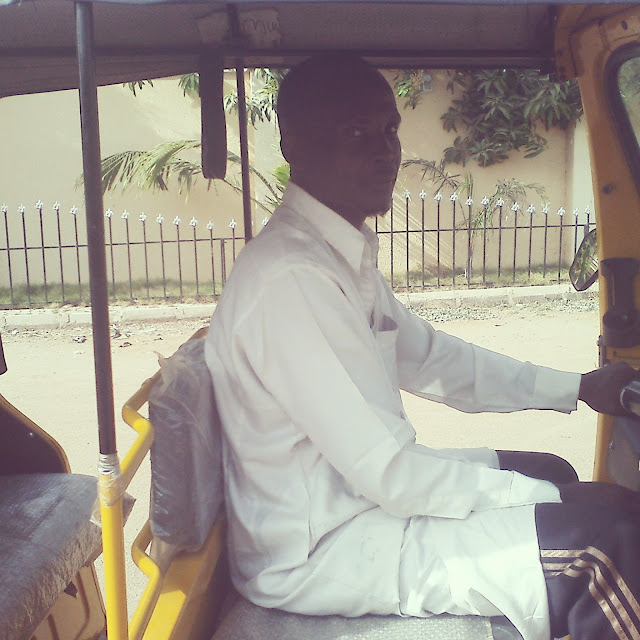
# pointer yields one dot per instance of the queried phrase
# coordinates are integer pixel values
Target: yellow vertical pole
(110, 494)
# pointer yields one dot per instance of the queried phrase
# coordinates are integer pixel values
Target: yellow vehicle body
(585, 40)
(183, 600)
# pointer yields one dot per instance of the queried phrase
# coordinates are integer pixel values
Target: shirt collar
(351, 243)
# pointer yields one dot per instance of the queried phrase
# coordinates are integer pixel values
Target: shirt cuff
(556, 390)
(526, 490)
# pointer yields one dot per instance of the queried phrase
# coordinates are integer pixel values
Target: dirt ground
(51, 379)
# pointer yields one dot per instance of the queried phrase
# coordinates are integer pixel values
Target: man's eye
(355, 132)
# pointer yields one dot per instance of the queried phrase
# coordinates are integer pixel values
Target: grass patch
(173, 292)
(490, 279)
(139, 293)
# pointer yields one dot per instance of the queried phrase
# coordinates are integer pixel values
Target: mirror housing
(584, 269)
(3, 362)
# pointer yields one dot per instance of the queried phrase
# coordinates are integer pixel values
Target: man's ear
(288, 144)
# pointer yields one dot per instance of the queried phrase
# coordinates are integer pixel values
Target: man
(332, 506)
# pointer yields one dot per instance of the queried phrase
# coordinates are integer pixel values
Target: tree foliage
(261, 104)
(511, 190)
(156, 167)
(137, 85)
(496, 111)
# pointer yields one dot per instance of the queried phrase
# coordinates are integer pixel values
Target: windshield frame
(629, 139)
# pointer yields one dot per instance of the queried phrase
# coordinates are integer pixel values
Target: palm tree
(156, 167)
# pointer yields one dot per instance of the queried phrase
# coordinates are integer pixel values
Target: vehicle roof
(151, 38)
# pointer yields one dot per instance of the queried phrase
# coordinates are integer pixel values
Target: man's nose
(385, 146)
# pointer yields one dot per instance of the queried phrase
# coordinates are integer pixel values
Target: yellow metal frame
(586, 37)
(112, 519)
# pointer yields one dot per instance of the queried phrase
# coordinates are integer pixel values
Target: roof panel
(153, 38)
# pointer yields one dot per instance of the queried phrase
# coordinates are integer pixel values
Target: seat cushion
(46, 536)
(247, 621)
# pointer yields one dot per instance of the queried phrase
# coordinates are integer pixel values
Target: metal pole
(110, 488)
(244, 150)
(95, 227)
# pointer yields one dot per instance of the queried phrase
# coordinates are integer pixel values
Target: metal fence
(445, 242)
(427, 244)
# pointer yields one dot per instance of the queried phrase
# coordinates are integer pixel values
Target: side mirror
(3, 362)
(584, 270)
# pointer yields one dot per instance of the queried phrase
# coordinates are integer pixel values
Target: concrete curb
(61, 318)
(497, 296)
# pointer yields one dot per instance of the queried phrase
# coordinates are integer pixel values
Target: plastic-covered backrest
(186, 458)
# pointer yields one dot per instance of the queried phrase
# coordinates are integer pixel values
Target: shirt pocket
(386, 337)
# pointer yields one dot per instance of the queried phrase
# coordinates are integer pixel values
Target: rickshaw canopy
(150, 39)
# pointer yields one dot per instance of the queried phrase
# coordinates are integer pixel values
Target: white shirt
(332, 506)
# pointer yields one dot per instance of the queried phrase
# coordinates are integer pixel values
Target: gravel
(538, 307)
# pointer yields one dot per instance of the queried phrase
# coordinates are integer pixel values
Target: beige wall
(41, 160)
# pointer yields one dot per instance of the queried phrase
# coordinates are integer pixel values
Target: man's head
(339, 132)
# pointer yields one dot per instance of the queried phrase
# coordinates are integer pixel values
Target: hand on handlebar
(601, 388)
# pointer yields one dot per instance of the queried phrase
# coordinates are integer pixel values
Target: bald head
(339, 132)
(323, 82)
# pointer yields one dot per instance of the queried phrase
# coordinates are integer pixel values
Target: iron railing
(431, 243)
(448, 243)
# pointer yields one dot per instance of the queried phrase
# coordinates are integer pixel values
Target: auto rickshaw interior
(118, 42)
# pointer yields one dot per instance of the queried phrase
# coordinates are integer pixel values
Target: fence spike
(500, 202)
(39, 205)
(575, 212)
(160, 218)
(4, 208)
(485, 201)
(545, 207)
(142, 217)
(193, 222)
(177, 221)
(469, 201)
(587, 210)
(407, 195)
(209, 225)
(22, 208)
(125, 215)
(515, 207)
(438, 196)
(422, 195)
(74, 210)
(561, 211)
(233, 224)
(108, 213)
(56, 206)
(454, 196)
(531, 209)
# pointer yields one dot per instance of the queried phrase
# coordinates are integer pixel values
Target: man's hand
(601, 388)
(601, 493)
